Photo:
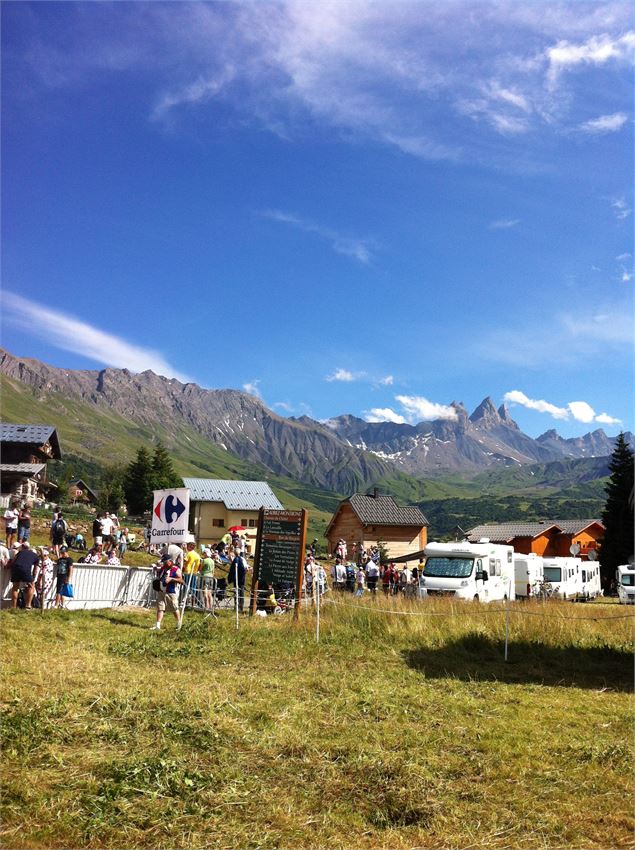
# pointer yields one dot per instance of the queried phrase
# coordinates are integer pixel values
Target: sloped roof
(23, 468)
(35, 435)
(236, 495)
(82, 485)
(574, 526)
(506, 531)
(383, 510)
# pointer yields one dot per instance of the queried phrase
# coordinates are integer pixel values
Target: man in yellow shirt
(191, 567)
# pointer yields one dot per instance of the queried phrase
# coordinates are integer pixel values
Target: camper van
(625, 575)
(528, 572)
(564, 575)
(481, 571)
(590, 586)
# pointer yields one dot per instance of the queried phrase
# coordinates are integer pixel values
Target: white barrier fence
(98, 586)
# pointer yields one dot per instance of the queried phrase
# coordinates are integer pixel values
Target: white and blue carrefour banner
(170, 513)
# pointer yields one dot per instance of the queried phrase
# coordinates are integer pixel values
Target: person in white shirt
(339, 577)
(11, 525)
(107, 527)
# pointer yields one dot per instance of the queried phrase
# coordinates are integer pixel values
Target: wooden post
(300, 577)
(256, 571)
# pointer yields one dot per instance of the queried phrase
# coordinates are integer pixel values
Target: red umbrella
(236, 528)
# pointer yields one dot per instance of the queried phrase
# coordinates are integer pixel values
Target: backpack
(59, 527)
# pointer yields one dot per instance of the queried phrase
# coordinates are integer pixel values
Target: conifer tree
(138, 483)
(617, 545)
(163, 475)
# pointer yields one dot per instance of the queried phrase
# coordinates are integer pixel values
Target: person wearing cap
(170, 577)
(63, 574)
(22, 575)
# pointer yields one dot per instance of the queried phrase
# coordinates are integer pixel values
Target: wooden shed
(372, 518)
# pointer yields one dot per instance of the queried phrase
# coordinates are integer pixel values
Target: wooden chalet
(550, 538)
(372, 518)
(25, 451)
(79, 491)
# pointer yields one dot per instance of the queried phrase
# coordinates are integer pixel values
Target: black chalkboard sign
(279, 556)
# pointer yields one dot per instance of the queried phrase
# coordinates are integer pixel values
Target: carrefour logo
(168, 510)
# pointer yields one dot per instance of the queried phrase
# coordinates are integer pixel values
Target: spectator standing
(237, 576)
(45, 574)
(107, 530)
(123, 543)
(339, 579)
(170, 577)
(406, 580)
(360, 581)
(11, 525)
(24, 524)
(372, 574)
(191, 567)
(59, 527)
(97, 538)
(207, 578)
(63, 575)
(350, 577)
(22, 575)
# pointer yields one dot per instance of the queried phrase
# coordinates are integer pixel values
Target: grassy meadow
(395, 731)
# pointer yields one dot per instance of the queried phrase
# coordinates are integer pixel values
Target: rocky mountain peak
(486, 414)
(506, 418)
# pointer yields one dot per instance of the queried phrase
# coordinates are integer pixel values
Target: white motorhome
(625, 575)
(590, 585)
(528, 573)
(564, 576)
(482, 571)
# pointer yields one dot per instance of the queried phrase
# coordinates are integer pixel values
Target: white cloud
(626, 276)
(418, 407)
(621, 208)
(504, 223)
(597, 50)
(581, 411)
(622, 257)
(70, 334)
(384, 414)
(386, 381)
(284, 405)
(357, 249)
(604, 124)
(252, 388)
(605, 419)
(342, 375)
(518, 397)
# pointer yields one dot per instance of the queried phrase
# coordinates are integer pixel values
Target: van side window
(583, 575)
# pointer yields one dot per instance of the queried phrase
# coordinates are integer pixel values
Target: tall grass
(395, 731)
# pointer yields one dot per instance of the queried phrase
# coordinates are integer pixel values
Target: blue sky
(365, 208)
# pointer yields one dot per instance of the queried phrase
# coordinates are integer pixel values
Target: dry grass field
(395, 731)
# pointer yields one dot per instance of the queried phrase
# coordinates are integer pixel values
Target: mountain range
(341, 455)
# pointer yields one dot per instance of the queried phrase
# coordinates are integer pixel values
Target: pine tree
(111, 491)
(617, 545)
(138, 483)
(163, 475)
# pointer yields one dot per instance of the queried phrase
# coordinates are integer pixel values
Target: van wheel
(476, 597)
(505, 598)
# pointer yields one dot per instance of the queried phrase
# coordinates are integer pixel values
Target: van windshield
(628, 580)
(553, 574)
(448, 567)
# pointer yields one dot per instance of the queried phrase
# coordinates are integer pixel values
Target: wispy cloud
(384, 414)
(504, 223)
(344, 375)
(252, 388)
(620, 208)
(71, 334)
(597, 50)
(414, 408)
(356, 248)
(406, 75)
(604, 124)
(386, 381)
(581, 411)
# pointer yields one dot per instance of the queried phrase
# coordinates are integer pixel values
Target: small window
(218, 523)
(583, 575)
(243, 522)
(253, 523)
